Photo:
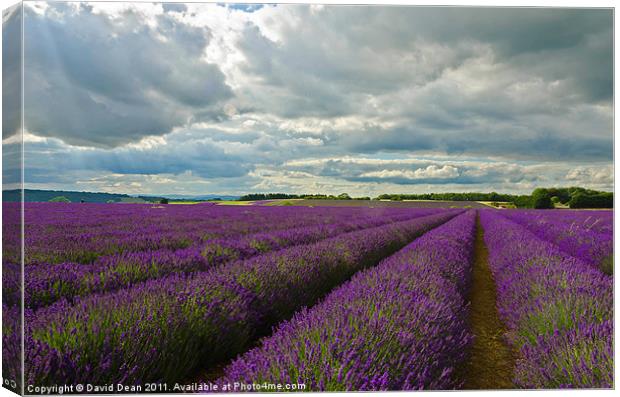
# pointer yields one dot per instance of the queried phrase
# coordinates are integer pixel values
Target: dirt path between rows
(491, 362)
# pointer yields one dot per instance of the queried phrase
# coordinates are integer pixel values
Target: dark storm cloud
(290, 89)
(203, 158)
(11, 70)
(293, 82)
(174, 7)
(502, 141)
(512, 30)
(551, 36)
(375, 49)
(11, 164)
(94, 80)
(399, 63)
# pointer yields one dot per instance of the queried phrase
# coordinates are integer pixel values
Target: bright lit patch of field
(374, 203)
(231, 202)
(498, 204)
(282, 202)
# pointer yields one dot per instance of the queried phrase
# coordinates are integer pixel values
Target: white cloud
(430, 172)
(592, 175)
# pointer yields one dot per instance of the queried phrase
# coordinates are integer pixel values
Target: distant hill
(32, 195)
(75, 197)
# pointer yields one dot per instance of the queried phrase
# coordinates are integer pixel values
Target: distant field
(379, 204)
(498, 204)
(234, 202)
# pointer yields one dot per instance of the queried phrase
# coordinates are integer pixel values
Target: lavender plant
(559, 309)
(398, 326)
(586, 235)
(164, 329)
(80, 233)
(46, 283)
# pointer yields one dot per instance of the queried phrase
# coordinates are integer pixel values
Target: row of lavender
(558, 309)
(46, 283)
(58, 232)
(587, 235)
(165, 329)
(398, 326)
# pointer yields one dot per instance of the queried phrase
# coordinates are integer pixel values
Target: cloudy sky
(208, 98)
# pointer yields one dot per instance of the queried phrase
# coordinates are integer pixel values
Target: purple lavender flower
(164, 329)
(47, 283)
(586, 235)
(558, 308)
(398, 326)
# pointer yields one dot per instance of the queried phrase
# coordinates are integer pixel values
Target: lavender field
(213, 197)
(196, 297)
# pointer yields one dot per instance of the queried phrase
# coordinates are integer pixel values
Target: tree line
(572, 197)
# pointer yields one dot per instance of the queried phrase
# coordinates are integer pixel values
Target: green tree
(523, 201)
(541, 199)
(344, 196)
(598, 200)
(163, 201)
